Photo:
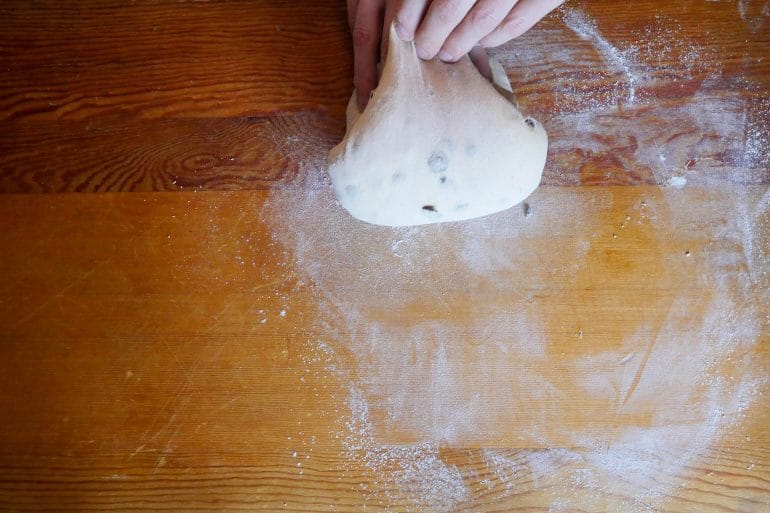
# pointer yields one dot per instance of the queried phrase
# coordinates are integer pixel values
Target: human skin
(447, 29)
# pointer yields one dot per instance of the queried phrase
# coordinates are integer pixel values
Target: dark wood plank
(155, 59)
(166, 75)
(163, 155)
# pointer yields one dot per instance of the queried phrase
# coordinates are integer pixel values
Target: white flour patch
(401, 272)
(754, 13)
(677, 182)
(506, 469)
(417, 471)
(665, 53)
(446, 333)
(457, 376)
(722, 133)
(622, 61)
(707, 134)
(728, 138)
(756, 139)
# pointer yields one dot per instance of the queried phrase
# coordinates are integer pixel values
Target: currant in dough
(436, 143)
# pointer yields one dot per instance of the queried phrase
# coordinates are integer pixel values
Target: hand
(447, 29)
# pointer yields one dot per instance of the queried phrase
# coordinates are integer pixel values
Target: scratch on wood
(640, 371)
(57, 295)
(283, 278)
(137, 451)
(160, 463)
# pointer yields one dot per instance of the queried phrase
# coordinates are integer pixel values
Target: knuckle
(514, 25)
(449, 11)
(483, 15)
(408, 20)
(362, 37)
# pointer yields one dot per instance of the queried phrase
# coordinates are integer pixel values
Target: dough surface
(436, 143)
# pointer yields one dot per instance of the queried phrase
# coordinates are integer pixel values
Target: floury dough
(436, 143)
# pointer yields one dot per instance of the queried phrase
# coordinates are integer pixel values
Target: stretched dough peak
(436, 143)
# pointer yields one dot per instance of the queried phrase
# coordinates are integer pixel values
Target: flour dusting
(423, 383)
(444, 335)
(416, 470)
(620, 60)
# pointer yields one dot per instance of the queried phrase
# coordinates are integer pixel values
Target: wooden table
(190, 323)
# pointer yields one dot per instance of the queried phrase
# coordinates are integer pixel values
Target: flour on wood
(454, 378)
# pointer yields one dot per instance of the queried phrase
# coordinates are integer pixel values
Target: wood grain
(170, 75)
(157, 59)
(137, 371)
(198, 96)
(184, 352)
(166, 155)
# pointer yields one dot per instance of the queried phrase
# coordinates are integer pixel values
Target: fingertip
(445, 56)
(403, 33)
(408, 16)
(422, 51)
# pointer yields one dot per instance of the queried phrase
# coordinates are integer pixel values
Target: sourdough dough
(436, 143)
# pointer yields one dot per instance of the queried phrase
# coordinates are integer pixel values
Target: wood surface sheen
(136, 373)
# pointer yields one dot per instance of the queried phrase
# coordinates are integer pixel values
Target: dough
(436, 143)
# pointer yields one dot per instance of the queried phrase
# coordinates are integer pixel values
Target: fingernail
(444, 56)
(423, 54)
(402, 33)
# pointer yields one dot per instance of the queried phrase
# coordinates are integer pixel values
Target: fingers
(366, 48)
(440, 20)
(522, 17)
(483, 18)
(447, 28)
(408, 17)
(390, 14)
(352, 8)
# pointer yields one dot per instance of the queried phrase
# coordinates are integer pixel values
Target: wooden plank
(243, 344)
(159, 59)
(163, 155)
(227, 59)
(162, 352)
(175, 100)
